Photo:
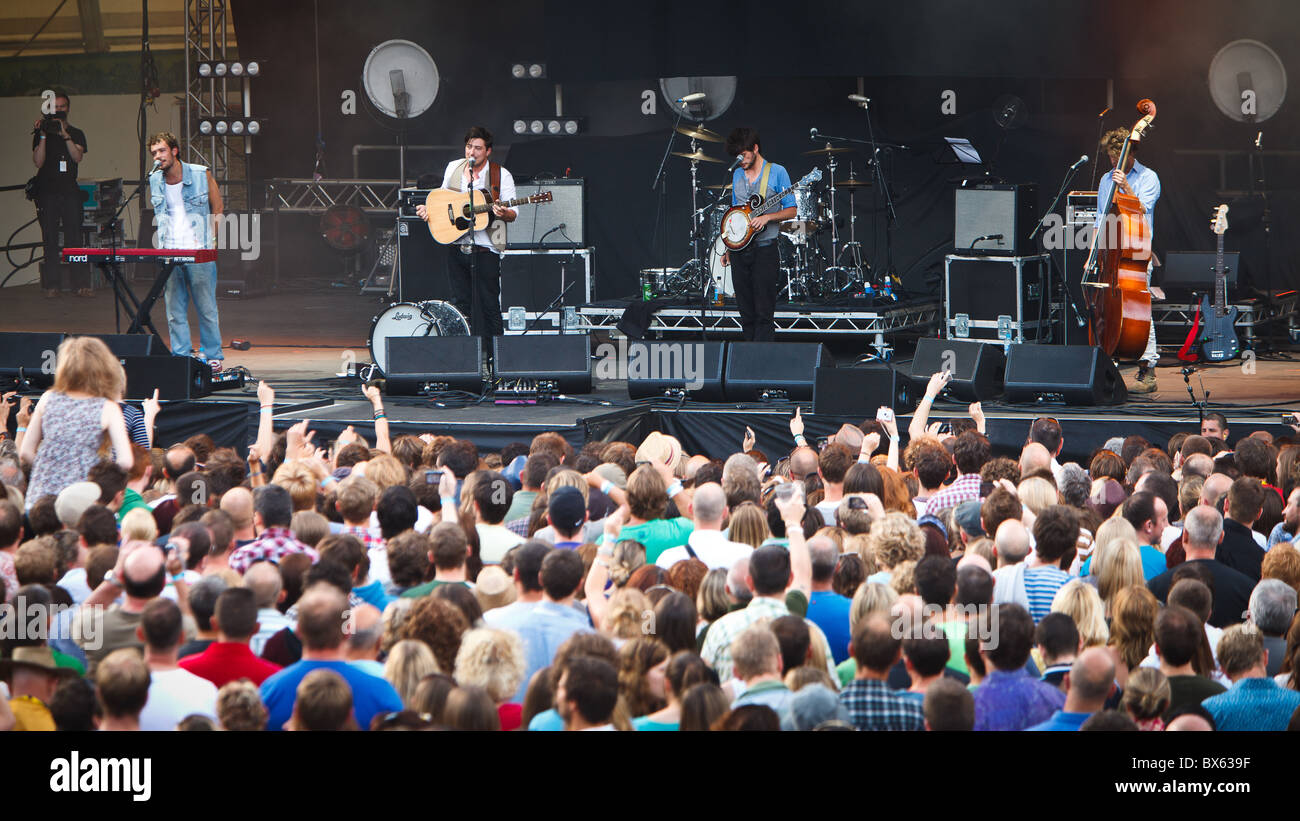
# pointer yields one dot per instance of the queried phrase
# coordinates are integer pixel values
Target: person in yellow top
(33, 676)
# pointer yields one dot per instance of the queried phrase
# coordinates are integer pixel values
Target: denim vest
(194, 190)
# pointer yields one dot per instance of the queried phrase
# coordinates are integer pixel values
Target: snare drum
(432, 318)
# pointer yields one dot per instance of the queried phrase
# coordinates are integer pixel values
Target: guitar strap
(494, 180)
(762, 180)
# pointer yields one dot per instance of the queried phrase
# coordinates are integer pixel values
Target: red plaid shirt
(273, 545)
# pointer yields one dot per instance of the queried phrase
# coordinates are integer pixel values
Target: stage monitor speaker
(672, 368)
(29, 357)
(860, 392)
(773, 370)
(418, 364)
(537, 226)
(423, 263)
(133, 344)
(562, 358)
(985, 210)
(175, 377)
(1069, 374)
(977, 367)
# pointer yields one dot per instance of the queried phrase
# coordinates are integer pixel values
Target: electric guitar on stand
(1219, 338)
(449, 213)
(737, 222)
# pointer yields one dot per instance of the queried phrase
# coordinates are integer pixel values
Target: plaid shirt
(871, 705)
(273, 545)
(518, 526)
(717, 644)
(966, 488)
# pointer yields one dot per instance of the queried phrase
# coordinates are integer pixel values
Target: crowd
(416, 582)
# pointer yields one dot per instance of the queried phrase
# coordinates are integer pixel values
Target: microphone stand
(1065, 283)
(1205, 400)
(661, 184)
(557, 301)
(891, 215)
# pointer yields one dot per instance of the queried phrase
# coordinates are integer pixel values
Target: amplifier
(995, 220)
(539, 226)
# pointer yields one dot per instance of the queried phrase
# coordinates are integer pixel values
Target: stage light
(570, 127)
(536, 127)
(236, 69)
(519, 71)
(253, 68)
(521, 127)
(219, 69)
(205, 69)
(205, 127)
(237, 127)
(537, 71)
(553, 127)
(222, 127)
(254, 128)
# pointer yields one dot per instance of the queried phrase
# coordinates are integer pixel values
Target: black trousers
(60, 218)
(486, 275)
(754, 274)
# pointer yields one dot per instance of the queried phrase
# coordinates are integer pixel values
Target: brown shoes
(1145, 381)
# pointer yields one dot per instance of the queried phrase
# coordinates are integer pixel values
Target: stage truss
(1252, 315)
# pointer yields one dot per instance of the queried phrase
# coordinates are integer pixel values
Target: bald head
(1215, 490)
(1012, 542)
(321, 613)
(238, 504)
(1189, 722)
(803, 462)
(143, 572)
(709, 506)
(737, 587)
(1091, 677)
(263, 578)
(364, 629)
(694, 464)
(1198, 464)
(1034, 457)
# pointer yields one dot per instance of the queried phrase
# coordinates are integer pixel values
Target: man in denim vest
(185, 198)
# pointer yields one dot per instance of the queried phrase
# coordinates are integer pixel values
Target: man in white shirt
(707, 541)
(174, 693)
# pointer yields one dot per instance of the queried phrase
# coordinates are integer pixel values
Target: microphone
(1079, 162)
(1104, 112)
(559, 227)
(859, 99)
(156, 165)
(736, 161)
(1258, 136)
(692, 97)
(812, 133)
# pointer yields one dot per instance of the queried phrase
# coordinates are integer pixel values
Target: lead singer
(757, 265)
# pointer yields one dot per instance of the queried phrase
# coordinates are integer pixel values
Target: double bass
(1114, 281)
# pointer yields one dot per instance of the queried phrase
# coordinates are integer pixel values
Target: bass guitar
(449, 213)
(1219, 341)
(738, 221)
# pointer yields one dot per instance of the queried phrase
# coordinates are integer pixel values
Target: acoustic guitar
(449, 213)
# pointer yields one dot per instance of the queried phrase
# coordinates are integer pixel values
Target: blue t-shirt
(830, 611)
(778, 179)
(371, 695)
(1153, 563)
(548, 721)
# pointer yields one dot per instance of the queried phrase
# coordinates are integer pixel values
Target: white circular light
(205, 126)
(521, 127)
(205, 69)
(237, 127)
(518, 71)
(553, 127)
(254, 127)
(253, 69)
(536, 127)
(236, 69)
(222, 127)
(535, 70)
(570, 126)
(220, 69)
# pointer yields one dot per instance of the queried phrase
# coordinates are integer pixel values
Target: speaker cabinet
(860, 392)
(133, 344)
(777, 369)
(422, 262)
(672, 368)
(977, 368)
(175, 377)
(538, 226)
(1003, 211)
(563, 358)
(1070, 374)
(29, 357)
(420, 363)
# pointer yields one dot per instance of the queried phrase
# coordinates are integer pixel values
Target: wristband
(19, 429)
(605, 550)
(894, 438)
(327, 481)
(448, 501)
(254, 473)
(800, 440)
(674, 488)
(606, 486)
(380, 415)
(268, 407)
(179, 577)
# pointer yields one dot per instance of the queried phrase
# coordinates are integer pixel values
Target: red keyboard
(129, 254)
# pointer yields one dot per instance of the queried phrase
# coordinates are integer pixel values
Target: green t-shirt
(130, 501)
(956, 633)
(427, 588)
(657, 535)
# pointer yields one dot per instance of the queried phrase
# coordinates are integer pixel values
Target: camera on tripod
(51, 126)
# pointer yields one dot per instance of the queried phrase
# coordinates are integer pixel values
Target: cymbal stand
(831, 165)
(853, 248)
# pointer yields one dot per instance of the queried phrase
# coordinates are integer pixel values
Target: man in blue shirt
(1138, 180)
(826, 608)
(1089, 683)
(756, 267)
(1255, 701)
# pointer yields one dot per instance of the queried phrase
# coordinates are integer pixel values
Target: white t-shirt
(827, 510)
(711, 546)
(175, 694)
(183, 234)
(494, 541)
(480, 184)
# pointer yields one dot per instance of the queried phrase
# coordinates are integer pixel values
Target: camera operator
(56, 149)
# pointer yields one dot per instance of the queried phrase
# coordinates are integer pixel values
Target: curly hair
(629, 555)
(493, 660)
(1283, 563)
(895, 538)
(439, 624)
(1133, 624)
(239, 707)
(627, 609)
(904, 577)
(634, 662)
(686, 576)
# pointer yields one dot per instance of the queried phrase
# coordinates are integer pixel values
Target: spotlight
(219, 69)
(570, 127)
(254, 128)
(536, 127)
(518, 71)
(222, 127)
(521, 127)
(237, 127)
(253, 68)
(205, 69)
(536, 71)
(553, 127)
(205, 127)
(236, 69)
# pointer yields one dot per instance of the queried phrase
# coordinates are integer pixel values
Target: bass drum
(432, 318)
(721, 273)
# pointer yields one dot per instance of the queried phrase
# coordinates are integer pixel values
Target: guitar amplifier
(995, 220)
(561, 223)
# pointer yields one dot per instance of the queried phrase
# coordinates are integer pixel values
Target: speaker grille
(567, 207)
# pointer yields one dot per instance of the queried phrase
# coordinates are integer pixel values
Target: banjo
(737, 222)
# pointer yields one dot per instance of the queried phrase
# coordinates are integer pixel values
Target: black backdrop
(795, 64)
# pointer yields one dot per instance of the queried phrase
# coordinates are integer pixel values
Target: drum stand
(853, 248)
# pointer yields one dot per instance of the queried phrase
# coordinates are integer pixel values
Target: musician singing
(476, 171)
(185, 200)
(756, 267)
(1143, 183)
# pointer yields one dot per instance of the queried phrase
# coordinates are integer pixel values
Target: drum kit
(815, 263)
(430, 318)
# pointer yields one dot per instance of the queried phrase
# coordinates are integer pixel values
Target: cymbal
(700, 133)
(829, 150)
(698, 155)
(853, 183)
(726, 187)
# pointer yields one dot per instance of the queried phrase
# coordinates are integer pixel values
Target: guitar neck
(479, 209)
(1220, 281)
(775, 199)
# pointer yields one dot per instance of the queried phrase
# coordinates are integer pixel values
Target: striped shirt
(135, 428)
(1041, 584)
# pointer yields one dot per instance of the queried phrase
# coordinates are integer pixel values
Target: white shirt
(481, 238)
(175, 694)
(711, 547)
(828, 511)
(271, 621)
(183, 234)
(494, 541)
(74, 581)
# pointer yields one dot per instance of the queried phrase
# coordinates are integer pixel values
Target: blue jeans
(197, 282)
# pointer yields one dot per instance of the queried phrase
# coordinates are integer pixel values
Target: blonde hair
(895, 538)
(567, 478)
(1080, 601)
(748, 525)
(804, 675)
(86, 365)
(139, 525)
(861, 545)
(408, 662)
(298, 479)
(629, 555)
(1110, 531)
(386, 471)
(1146, 694)
(309, 527)
(872, 597)
(1037, 494)
(835, 534)
(627, 610)
(1122, 568)
(903, 577)
(493, 660)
